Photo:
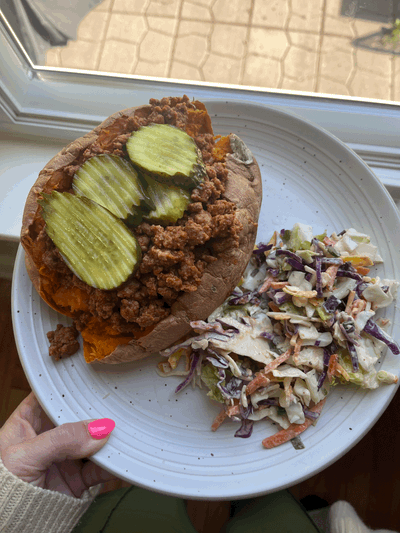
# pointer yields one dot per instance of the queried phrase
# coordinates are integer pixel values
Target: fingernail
(100, 429)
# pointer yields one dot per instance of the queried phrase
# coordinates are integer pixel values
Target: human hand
(50, 457)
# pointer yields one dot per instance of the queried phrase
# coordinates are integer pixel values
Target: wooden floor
(368, 476)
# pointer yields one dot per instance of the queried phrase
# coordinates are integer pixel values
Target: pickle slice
(95, 244)
(112, 182)
(169, 154)
(170, 202)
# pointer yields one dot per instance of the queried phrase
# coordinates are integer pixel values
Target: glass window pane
(337, 47)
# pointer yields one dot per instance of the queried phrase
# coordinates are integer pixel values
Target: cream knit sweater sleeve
(25, 508)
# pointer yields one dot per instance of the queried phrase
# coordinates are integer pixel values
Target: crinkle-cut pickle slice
(170, 202)
(112, 182)
(95, 244)
(169, 154)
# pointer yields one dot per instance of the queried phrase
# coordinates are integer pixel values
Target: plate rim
(389, 397)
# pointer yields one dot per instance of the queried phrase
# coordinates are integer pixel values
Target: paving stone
(302, 57)
(93, 26)
(192, 49)
(221, 69)
(229, 40)
(106, 5)
(262, 71)
(395, 93)
(193, 10)
(329, 86)
(294, 84)
(271, 13)
(363, 27)
(182, 71)
(232, 11)
(163, 7)
(306, 15)
(268, 42)
(81, 55)
(374, 63)
(169, 8)
(337, 59)
(128, 28)
(53, 58)
(187, 27)
(138, 7)
(280, 46)
(164, 25)
(365, 85)
(118, 57)
(335, 23)
(156, 70)
(155, 47)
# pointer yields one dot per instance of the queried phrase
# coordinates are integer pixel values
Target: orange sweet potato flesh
(101, 342)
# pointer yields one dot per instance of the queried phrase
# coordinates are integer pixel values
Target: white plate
(163, 441)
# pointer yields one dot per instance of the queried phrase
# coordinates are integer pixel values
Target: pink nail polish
(100, 429)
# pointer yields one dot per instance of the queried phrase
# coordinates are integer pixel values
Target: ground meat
(63, 341)
(103, 303)
(171, 237)
(152, 314)
(130, 310)
(173, 257)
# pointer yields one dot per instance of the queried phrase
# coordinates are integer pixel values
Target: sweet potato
(101, 339)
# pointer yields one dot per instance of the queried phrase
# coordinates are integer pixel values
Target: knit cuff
(25, 508)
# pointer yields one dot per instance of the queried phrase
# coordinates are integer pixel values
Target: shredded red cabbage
(322, 376)
(281, 297)
(245, 430)
(341, 273)
(310, 414)
(331, 304)
(373, 329)
(269, 401)
(353, 355)
(294, 260)
(318, 281)
(216, 359)
(194, 360)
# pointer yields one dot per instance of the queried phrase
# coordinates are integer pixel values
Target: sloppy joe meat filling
(175, 256)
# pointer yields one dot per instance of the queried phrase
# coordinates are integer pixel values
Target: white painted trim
(66, 103)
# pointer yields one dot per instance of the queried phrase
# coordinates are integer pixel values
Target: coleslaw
(303, 319)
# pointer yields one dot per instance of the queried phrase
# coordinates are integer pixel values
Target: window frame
(65, 103)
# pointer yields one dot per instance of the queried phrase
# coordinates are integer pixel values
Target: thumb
(31, 458)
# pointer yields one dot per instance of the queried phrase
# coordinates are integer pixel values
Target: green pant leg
(275, 513)
(135, 510)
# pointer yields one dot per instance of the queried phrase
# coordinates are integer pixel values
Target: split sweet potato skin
(243, 188)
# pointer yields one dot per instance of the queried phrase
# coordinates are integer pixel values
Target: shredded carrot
(332, 272)
(266, 285)
(261, 380)
(357, 307)
(297, 348)
(293, 430)
(279, 284)
(274, 307)
(233, 410)
(350, 300)
(219, 419)
(276, 362)
(328, 241)
(332, 366)
(288, 389)
(293, 340)
(340, 371)
(364, 271)
(316, 301)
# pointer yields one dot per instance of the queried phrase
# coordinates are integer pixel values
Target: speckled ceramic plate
(163, 441)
